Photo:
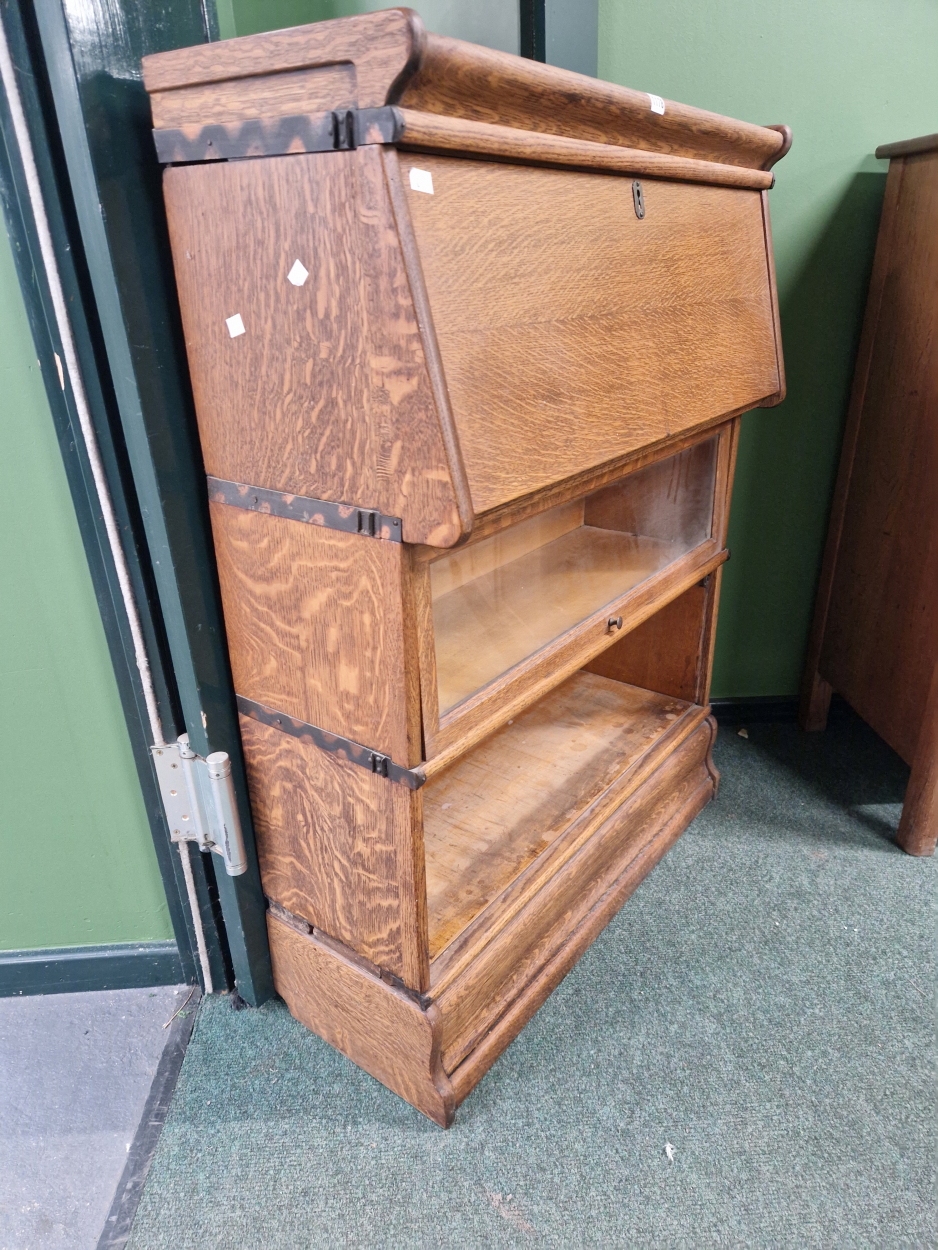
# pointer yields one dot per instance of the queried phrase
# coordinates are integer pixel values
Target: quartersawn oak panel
(490, 815)
(315, 625)
(380, 1028)
(294, 92)
(558, 311)
(353, 61)
(339, 847)
(326, 393)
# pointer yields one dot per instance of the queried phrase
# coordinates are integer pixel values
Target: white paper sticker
(421, 180)
(657, 104)
(235, 325)
(298, 274)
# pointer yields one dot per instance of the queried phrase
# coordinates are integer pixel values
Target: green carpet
(763, 1004)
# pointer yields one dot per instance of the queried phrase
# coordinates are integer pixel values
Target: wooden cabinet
(875, 633)
(469, 338)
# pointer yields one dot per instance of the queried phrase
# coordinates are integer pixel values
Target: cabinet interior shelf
(491, 815)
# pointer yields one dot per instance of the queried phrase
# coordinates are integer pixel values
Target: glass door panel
(501, 600)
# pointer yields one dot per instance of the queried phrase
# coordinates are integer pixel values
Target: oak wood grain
(388, 58)
(815, 689)
(410, 258)
(315, 625)
(881, 638)
(377, 1026)
(772, 401)
(482, 84)
(557, 310)
(352, 62)
(326, 393)
(293, 93)
(490, 816)
(437, 133)
(581, 484)
(483, 362)
(500, 971)
(341, 848)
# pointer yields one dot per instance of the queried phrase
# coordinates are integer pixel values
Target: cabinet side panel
(315, 627)
(379, 1028)
(336, 847)
(572, 332)
(881, 639)
(321, 387)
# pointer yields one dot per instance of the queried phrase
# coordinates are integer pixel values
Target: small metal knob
(614, 623)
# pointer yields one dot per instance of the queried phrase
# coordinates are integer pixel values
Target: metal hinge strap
(301, 925)
(374, 761)
(340, 130)
(199, 801)
(333, 516)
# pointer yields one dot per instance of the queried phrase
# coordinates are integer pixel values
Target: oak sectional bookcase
(469, 339)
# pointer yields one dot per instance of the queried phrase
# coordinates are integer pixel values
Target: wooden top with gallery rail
(581, 332)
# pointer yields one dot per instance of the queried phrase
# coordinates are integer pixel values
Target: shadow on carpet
(763, 1005)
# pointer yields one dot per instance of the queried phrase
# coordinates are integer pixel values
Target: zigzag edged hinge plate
(338, 131)
(346, 517)
(345, 748)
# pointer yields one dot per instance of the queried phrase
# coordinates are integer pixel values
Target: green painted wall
(846, 75)
(77, 865)
(492, 22)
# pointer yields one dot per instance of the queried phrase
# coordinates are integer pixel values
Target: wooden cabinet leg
(815, 702)
(918, 828)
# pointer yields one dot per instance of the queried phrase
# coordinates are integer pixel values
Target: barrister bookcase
(874, 638)
(469, 339)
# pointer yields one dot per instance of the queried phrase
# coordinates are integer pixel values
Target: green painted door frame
(78, 75)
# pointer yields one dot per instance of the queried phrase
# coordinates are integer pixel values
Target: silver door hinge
(199, 801)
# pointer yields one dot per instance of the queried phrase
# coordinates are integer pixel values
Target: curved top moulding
(389, 58)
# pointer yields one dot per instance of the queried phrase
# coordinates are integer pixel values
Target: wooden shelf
(494, 812)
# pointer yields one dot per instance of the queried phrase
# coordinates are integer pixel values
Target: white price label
(421, 180)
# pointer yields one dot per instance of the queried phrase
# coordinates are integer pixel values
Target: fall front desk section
(469, 339)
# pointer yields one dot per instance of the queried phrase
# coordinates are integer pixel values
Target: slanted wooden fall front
(469, 339)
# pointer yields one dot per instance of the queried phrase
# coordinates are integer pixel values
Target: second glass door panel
(500, 601)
